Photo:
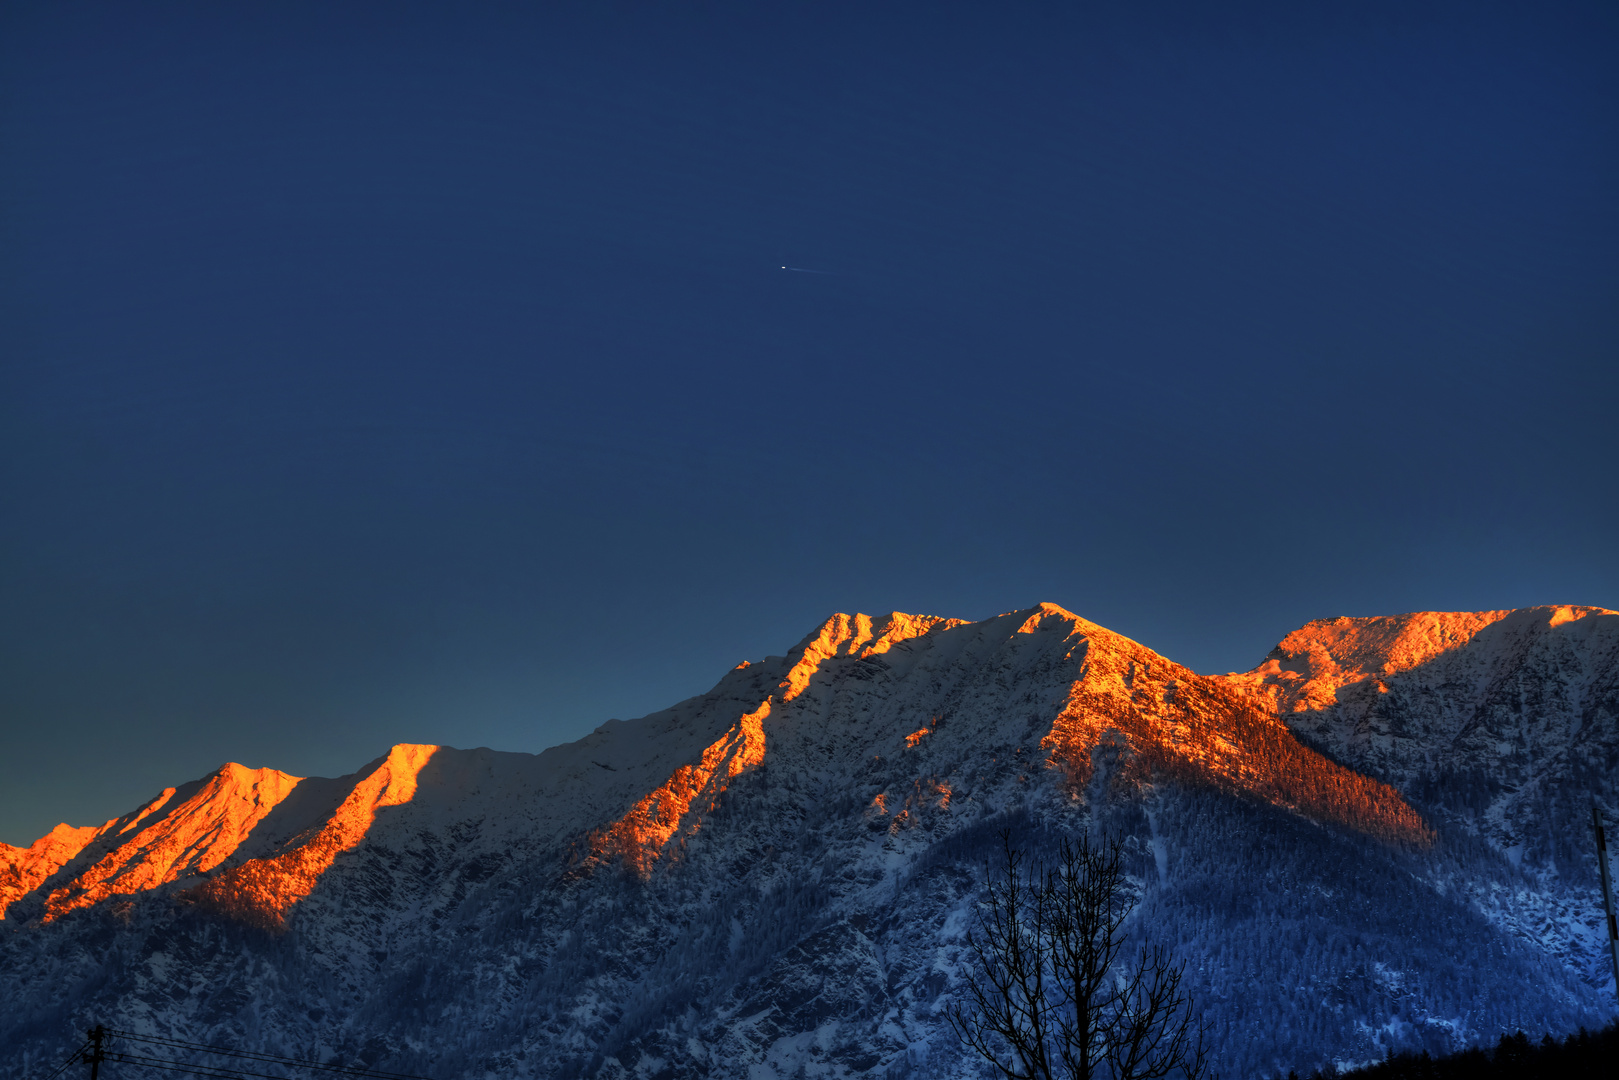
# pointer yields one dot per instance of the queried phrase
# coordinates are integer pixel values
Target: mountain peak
(807, 833)
(1044, 614)
(183, 832)
(858, 636)
(1308, 667)
(22, 869)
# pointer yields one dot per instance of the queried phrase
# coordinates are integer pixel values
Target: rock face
(1375, 839)
(1504, 725)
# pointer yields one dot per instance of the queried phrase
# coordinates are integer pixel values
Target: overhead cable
(273, 1059)
(71, 1058)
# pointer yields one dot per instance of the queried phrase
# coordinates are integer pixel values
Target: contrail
(802, 270)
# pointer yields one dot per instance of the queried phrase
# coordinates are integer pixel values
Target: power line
(274, 1059)
(165, 1064)
(94, 1054)
(72, 1059)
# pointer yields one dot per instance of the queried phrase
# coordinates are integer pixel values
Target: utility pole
(95, 1055)
(1607, 894)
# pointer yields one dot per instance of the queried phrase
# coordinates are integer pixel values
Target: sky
(451, 373)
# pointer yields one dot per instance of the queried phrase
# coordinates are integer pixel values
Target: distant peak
(867, 635)
(1386, 644)
(1308, 666)
(856, 636)
(1046, 611)
(64, 831)
(65, 840)
(1042, 615)
(414, 754)
(1567, 613)
(233, 773)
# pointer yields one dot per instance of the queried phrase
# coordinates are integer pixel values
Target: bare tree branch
(1050, 997)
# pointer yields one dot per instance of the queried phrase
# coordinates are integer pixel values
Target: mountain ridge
(862, 766)
(1321, 668)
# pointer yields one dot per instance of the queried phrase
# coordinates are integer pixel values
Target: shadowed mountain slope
(778, 875)
(1503, 725)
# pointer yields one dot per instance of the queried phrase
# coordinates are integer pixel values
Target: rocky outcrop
(778, 876)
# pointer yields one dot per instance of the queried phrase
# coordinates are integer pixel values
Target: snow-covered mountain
(1374, 839)
(1501, 724)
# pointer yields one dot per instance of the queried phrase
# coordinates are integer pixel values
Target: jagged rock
(1374, 839)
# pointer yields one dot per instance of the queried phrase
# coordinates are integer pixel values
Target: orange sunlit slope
(181, 833)
(261, 891)
(858, 690)
(654, 825)
(1311, 666)
(202, 831)
(1174, 724)
(23, 869)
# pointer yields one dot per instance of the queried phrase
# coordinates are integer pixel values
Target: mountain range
(1376, 840)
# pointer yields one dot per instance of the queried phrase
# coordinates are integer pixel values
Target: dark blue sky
(380, 373)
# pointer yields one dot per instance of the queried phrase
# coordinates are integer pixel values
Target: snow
(779, 875)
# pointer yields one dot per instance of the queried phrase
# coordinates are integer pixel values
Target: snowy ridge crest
(775, 878)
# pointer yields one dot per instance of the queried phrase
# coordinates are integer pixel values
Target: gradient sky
(385, 373)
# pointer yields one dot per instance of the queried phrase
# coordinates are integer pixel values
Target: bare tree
(1051, 996)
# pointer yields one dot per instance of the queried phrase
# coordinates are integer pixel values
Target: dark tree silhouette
(1586, 1054)
(1051, 996)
